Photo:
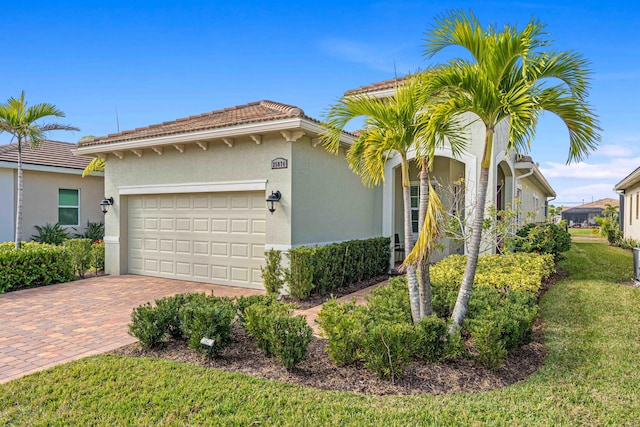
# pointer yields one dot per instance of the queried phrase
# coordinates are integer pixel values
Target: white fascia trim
(42, 168)
(205, 187)
(204, 135)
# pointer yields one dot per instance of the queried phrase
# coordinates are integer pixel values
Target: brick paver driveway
(47, 326)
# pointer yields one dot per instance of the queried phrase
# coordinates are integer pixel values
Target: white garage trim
(207, 187)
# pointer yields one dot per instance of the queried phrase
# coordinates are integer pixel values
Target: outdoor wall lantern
(273, 198)
(105, 203)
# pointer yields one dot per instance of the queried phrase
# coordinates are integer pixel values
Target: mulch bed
(458, 376)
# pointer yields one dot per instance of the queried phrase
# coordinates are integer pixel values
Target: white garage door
(205, 237)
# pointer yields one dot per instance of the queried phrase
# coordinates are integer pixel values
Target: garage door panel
(215, 238)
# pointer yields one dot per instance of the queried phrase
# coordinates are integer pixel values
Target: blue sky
(158, 61)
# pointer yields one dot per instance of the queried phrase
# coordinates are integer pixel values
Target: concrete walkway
(51, 325)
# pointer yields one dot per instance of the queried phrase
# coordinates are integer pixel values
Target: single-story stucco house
(585, 215)
(629, 213)
(189, 196)
(54, 190)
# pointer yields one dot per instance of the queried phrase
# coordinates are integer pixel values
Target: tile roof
(52, 153)
(261, 111)
(373, 87)
(597, 204)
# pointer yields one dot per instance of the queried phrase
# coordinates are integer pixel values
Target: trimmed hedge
(34, 264)
(545, 238)
(323, 269)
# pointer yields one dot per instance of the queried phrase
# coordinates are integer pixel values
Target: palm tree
(20, 120)
(510, 77)
(393, 125)
(95, 165)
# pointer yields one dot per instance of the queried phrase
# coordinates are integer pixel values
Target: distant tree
(21, 121)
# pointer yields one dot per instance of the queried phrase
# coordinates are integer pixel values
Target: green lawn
(591, 377)
(583, 232)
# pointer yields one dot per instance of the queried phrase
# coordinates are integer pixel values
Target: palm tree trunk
(462, 303)
(19, 202)
(424, 280)
(412, 280)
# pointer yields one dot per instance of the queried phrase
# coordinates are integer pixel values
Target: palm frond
(430, 231)
(95, 165)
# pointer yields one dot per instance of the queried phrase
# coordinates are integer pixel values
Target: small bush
(97, 255)
(299, 275)
(344, 327)
(544, 238)
(208, 318)
(279, 333)
(628, 243)
(169, 309)
(34, 264)
(388, 347)
(51, 234)
(147, 325)
(431, 338)
(289, 338)
(243, 302)
(272, 274)
(487, 343)
(391, 302)
(80, 254)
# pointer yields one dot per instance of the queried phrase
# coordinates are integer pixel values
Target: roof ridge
(286, 108)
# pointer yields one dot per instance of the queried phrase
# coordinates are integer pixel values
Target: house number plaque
(279, 163)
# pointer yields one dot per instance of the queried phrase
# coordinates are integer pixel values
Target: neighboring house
(190, 194)
(629, 212)
(54, 190)
(585, 215)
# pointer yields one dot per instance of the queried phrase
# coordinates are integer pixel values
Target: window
(630, 209)
(68, 206)
(415, 207)
(637, 204)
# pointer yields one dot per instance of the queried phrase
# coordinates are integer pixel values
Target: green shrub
(169, 309)
(289, 338)
(628, 243)
(391, 302)
(208, 317)
(387, 348)
(344, 327)
(243, 302)
(279, 333)
(80, 254)
(299, 275)
(518, 271)
(93, 232)
(147, 325)
(486, 339)
(97, 255)
(34, 264)
(323, 269)
(272, 274)
(51, 234)
(431, 340)
(544, 238)
(258, 322)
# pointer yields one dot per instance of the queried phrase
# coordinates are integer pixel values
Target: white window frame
(69, 206)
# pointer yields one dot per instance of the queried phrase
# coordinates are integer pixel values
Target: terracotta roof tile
(374, 87)
(261, 111)
(597, 204)
(52, 153)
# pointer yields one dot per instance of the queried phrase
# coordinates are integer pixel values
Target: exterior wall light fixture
(105, 203)
(273, 198)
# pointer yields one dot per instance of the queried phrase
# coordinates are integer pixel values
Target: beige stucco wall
(329, 201)
(245, 161)
(529, 191)
(631, 213)
(40, 199)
